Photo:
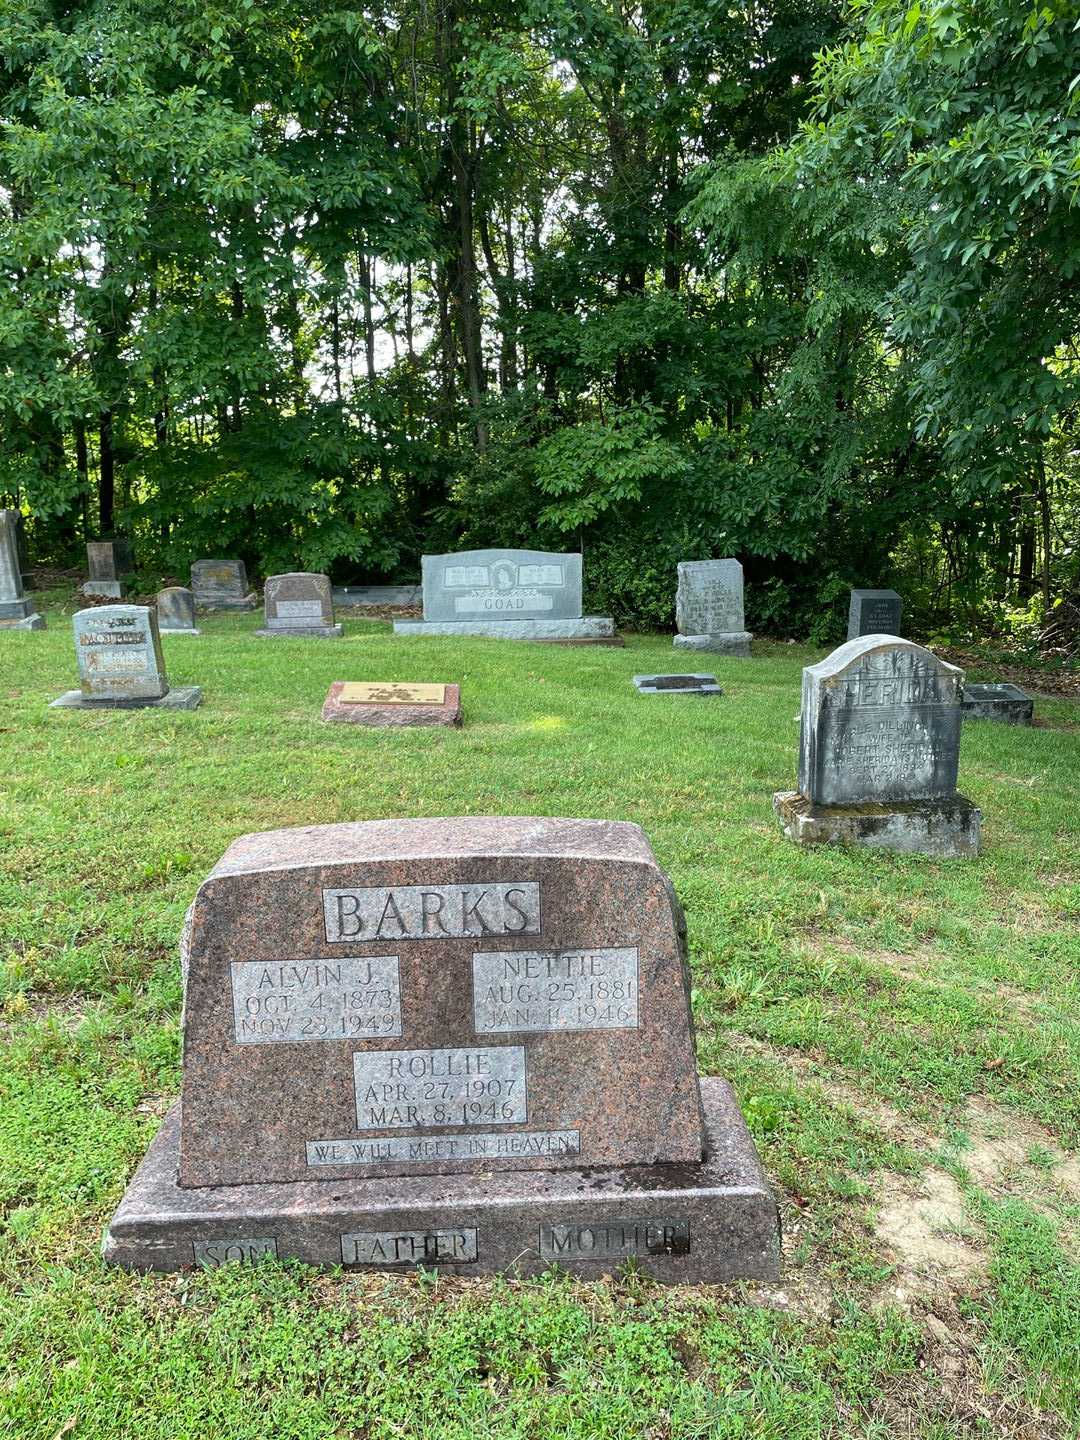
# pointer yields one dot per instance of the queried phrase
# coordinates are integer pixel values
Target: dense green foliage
(664, 280)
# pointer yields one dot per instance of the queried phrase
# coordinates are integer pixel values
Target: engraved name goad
(432, 912)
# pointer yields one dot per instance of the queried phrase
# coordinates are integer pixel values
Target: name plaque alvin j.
(538, 990)
(411, 1088)
(432, 912)
(409, 1247)
(296, 1001)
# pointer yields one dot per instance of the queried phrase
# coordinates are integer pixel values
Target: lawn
(903, 1035)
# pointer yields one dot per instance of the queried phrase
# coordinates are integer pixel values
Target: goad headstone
(118, 649)
(176, 611)
(505, 594)
(221, 585)
(16, 611)
(298, 604)
(879, 751)
(457, 1042)
(874, 612)
(709, 607)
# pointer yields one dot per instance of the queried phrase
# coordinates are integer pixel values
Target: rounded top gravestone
(118, 648)
(419, 997)
(880, 722)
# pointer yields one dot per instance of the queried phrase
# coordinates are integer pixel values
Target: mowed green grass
(903, 1034)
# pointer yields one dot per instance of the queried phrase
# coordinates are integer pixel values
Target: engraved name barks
(432, 912)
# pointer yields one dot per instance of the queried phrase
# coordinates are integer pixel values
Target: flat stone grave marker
(221, 585)
(176, 611)
(374, 595)
(1003, 702)
(16, 611)
(108, 563)
(298, 604)
(391, 704)
(464, 1043)
(709, 608)
(874, 612)
(121, 667)
(677, 685)
(505, 594)
(879, 752)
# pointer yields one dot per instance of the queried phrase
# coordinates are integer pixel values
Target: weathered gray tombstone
(879, 752)
(16, 611)
(506, 595)
(709, 608)
(298, 604)
(109, 563)
(176, 611)
(221, 585)
(118, 648)
(1003, 702)
(874, 612)
(372, 595)
(465, 1043)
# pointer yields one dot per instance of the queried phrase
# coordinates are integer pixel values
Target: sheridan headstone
(108, 562)
(874, 612)
(298, 604)
(16, 611)
(176, 611)
(879, 752)
(505, 594)
(464, 1043)
(221, 585)
(709, 608)
(121, 667)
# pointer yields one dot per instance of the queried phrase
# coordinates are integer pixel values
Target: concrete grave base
(28, 622)
(598, 629)
(948, 827)
(708, 1223)
(177, 630)
(180, 697)
(677, 685)
(394, 715)
(303, 632)
(732, 642)
(1006, 703)
(104, 589)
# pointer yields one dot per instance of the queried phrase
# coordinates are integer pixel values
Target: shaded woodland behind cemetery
(325, 288)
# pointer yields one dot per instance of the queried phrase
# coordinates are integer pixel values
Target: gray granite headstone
(874, 612)
(176, 610)
(108, 563)
(502, 585)
(121, 667)
(299, 603)
(709, 607)
(879, 752)
(221, 585)
(16, 611)
(880, 721)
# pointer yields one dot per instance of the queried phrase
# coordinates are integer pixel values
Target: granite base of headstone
(709, 608)
(1006, 703)
(879, 753)
(17, 612)
(874, 612)
(677, 685)
(392, 705)
(507, 595)
(176, 611)
(109, 564)
(465, 1044)
(121, 667)
(221, 585)
(298, 604)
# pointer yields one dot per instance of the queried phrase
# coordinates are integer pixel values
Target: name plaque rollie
(398, 1035)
